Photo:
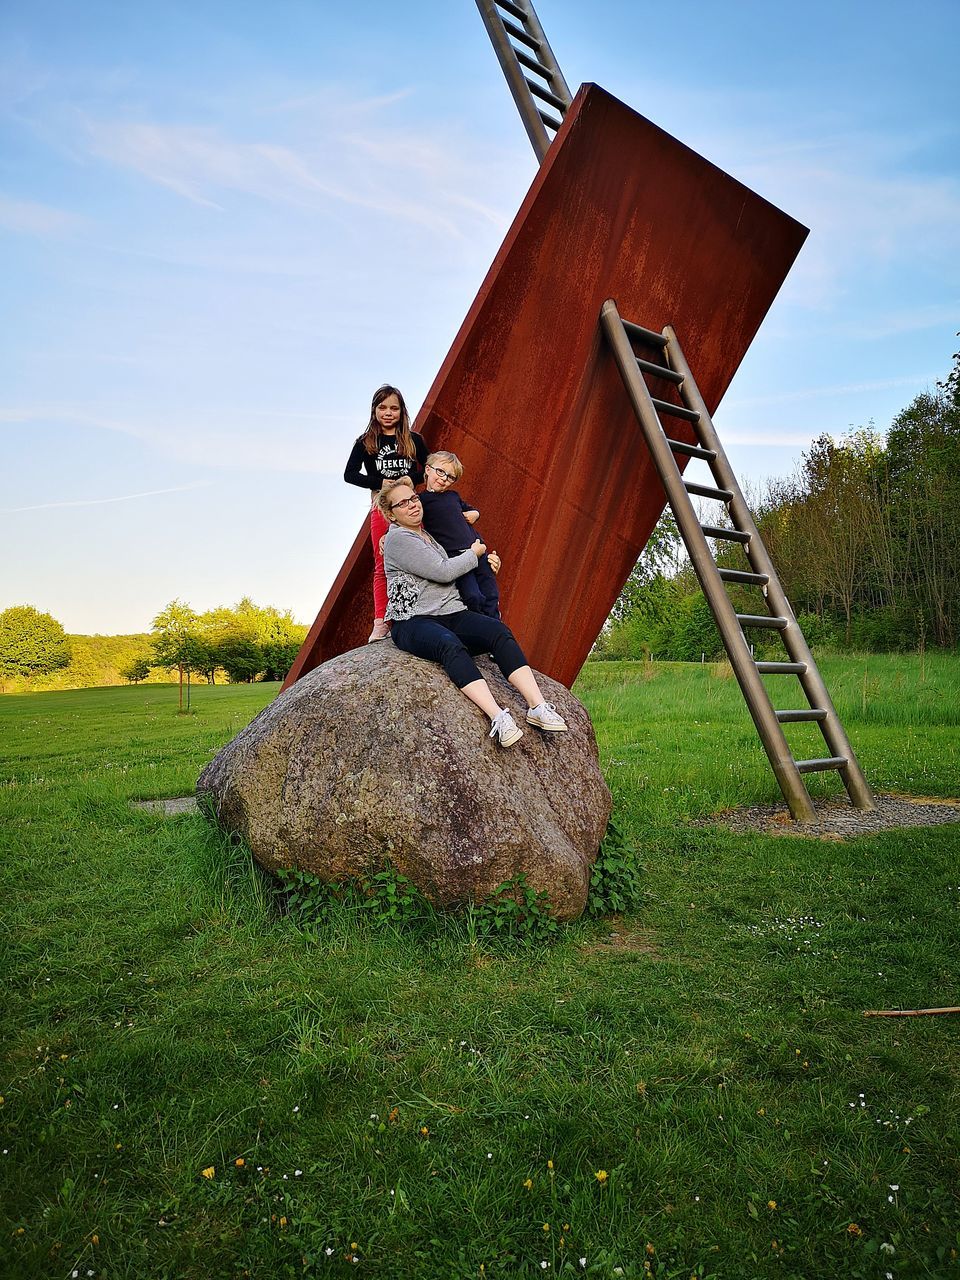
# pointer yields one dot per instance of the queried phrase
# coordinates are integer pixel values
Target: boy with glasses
(450, 520)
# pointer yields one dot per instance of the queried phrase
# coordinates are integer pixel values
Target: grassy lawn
(192, 1088)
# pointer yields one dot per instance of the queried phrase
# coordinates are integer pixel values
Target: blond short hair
(386, 494)
(452, 462)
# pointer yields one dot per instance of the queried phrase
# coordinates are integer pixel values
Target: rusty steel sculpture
(556, 388)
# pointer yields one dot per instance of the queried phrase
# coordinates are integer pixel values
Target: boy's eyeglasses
(444, 475)
(404, 503)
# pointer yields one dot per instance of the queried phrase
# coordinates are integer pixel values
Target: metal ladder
(522, 46)
(621, 336)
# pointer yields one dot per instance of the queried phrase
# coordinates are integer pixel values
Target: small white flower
(887, 1247)
(298, 1173)
(583, 1262)
(894, 1186)
(296, 1109)
(328, 1251)
(544, 1265)
(489, 1155)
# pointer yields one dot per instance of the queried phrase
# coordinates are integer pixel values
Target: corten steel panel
(530, 398)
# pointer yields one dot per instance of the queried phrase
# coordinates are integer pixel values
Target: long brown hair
(405, 446)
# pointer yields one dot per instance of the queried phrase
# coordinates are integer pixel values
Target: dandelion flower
(239, 1162)
(425, 1131)
(601, 1176)
(546, 1226)
(528, 1184)
(854, 1230)
(650, 1250)
(209, 1172)
(771, 1204)
(549, 1164)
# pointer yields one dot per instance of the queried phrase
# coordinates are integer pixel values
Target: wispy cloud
(829, 392)
(97, 502)
(31, 218)
(227, 439)
(388, 171)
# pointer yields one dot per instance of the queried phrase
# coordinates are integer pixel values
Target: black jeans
(478, 589)
(451, 638)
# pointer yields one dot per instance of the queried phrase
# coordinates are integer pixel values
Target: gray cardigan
(420, 575)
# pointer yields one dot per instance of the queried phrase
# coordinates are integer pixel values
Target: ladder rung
(765, 620)
(691, 450)
(730, 535)
(741, 575)
(640, 334)
(781, 668)
(704, 491)
(518, 33)
(545, 95)
(675, 410)
(549, 120)
(513, 8)
(533, 65)
(659, 371)
(807, 713)
(821, 766)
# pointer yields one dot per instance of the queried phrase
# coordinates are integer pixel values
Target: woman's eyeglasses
(404, 503)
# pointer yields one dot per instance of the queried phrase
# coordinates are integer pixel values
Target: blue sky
(224, 224)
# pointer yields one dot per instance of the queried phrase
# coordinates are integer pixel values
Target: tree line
(241, 642)
(865, 537)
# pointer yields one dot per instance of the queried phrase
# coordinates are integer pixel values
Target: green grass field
(193, 1088)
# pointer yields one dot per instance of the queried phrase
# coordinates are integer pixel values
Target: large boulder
(375, 756)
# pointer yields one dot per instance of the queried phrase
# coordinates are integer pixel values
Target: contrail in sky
(96, 502)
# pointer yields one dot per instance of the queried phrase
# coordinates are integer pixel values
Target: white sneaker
(547, 717)
(505, 729)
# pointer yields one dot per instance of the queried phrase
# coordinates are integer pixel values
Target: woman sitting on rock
(431, 621)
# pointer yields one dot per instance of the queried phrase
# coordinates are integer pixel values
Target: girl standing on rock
(387, 450)
(431, 621)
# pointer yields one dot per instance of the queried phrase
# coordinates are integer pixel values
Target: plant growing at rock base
(616, 881)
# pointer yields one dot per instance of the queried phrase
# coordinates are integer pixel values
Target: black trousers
(451, 638)
(478, 589)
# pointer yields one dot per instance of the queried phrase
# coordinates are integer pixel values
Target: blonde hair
(451, 459)
(387, 489)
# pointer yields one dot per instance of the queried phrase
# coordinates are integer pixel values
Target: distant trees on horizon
(865, 537)
(241, 642)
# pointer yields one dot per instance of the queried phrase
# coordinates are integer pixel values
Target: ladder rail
(794, 642)
(523, 94)
(744, 668)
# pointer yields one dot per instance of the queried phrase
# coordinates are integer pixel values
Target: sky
(223, 225)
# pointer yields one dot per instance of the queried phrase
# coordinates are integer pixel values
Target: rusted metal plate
(530, 398)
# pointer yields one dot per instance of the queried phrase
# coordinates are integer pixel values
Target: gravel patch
(838, 820)
(169, 808)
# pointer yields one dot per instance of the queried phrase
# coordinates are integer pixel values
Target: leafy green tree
(31, 643)
(137, 670)
(242, 659)
(278, 657)
(177, 642)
